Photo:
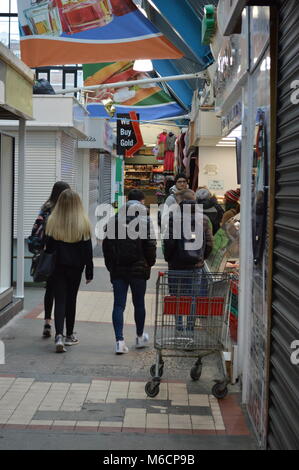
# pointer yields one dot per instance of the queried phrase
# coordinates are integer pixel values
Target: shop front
(102, 182)
(144, 172)
(14, 75)
(268, 331)
(51, 155)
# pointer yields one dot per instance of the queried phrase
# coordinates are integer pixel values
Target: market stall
(145, 173)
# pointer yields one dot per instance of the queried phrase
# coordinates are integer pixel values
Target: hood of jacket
(173, 189)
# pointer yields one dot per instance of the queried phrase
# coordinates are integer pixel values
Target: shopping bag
(45, 266)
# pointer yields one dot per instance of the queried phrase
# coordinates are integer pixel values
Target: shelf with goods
(144, 177)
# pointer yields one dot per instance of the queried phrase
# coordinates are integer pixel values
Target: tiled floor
(25, 402)
(97, 307)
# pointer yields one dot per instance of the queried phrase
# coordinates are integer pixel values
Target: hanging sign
(54, 32)
(128, 137)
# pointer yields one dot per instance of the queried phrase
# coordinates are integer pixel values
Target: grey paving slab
(64, 440)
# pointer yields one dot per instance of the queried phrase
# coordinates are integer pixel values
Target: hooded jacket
(210, 210)
(174, 251)
(124, 257)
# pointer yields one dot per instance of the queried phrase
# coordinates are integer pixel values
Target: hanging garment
(169, 161)
(170, 142)
(161, 145)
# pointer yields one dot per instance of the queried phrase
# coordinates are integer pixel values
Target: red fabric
(168, 160)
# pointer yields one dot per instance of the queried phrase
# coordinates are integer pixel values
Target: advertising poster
(148, 100)
(55, 32)
(128, 135)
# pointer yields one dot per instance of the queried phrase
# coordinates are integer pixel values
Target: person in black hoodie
(211, 208)
(129, 259)
(68, 234)
(186, 263)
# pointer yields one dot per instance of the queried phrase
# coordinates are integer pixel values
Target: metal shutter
(105, 178)
(283, 426)
(40, 174)
(94, 195)
(68, 160)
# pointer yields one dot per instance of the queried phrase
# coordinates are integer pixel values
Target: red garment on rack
(168, 160)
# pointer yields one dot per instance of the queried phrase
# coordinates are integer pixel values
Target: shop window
(4, 30)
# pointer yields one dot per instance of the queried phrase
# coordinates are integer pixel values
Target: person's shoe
(70, 340)
(59, 344)
(121, 348)
(47, 330)
(142, 341)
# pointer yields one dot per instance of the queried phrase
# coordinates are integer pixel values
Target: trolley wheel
(152, 389)
(218, 391)
(153, 370)
(195, 372)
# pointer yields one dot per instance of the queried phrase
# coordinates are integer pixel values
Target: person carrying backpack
(182, 256)
(129, 259)
(36, 243)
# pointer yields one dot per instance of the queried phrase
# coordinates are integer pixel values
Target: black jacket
(76, 255)
(126, 258)
(214, 211)
(174, 252)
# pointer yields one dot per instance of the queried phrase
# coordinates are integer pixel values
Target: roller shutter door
(105, 178)
(68, 160)
(283, 425)
(94, 186)
(40, 175)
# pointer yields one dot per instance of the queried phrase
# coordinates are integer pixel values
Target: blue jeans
(190, 283)
(120, 290)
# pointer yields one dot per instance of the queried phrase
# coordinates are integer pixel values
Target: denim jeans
(188, 283)
(120, 290)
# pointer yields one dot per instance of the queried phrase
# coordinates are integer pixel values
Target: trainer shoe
(142, 341)
(121, 348)
(70, 340)
(47, 330)
(59, 344)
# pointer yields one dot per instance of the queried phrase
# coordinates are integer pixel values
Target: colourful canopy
(55, 32)
(148, 100)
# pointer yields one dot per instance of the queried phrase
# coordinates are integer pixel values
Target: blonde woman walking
(68, 234)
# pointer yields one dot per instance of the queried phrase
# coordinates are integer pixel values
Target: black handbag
(45, 266)
(34, 263)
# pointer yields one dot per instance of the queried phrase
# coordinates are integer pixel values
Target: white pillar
(20, 210)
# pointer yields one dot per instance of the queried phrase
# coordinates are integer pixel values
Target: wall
(224, 160)
(150, 132)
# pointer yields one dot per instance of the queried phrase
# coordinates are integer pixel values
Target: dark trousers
(120, 290)
(49, 299)
(66, 282)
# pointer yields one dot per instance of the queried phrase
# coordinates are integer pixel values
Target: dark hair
(136, 195)
(57, 189)
(180, 175)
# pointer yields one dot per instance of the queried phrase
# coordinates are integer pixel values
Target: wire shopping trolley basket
(191, 319)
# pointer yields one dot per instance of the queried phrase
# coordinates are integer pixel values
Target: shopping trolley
(191, 319)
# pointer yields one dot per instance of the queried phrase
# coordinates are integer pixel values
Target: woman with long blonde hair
(68, 234)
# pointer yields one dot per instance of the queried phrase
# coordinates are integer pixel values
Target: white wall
(217, 164)
(150, 132)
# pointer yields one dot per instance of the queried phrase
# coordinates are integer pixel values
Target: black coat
(127, 258)
(174, 251)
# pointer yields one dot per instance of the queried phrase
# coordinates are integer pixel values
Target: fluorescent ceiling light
(225, 145)
(143, 65)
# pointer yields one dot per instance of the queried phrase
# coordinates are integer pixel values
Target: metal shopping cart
(191, 319)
